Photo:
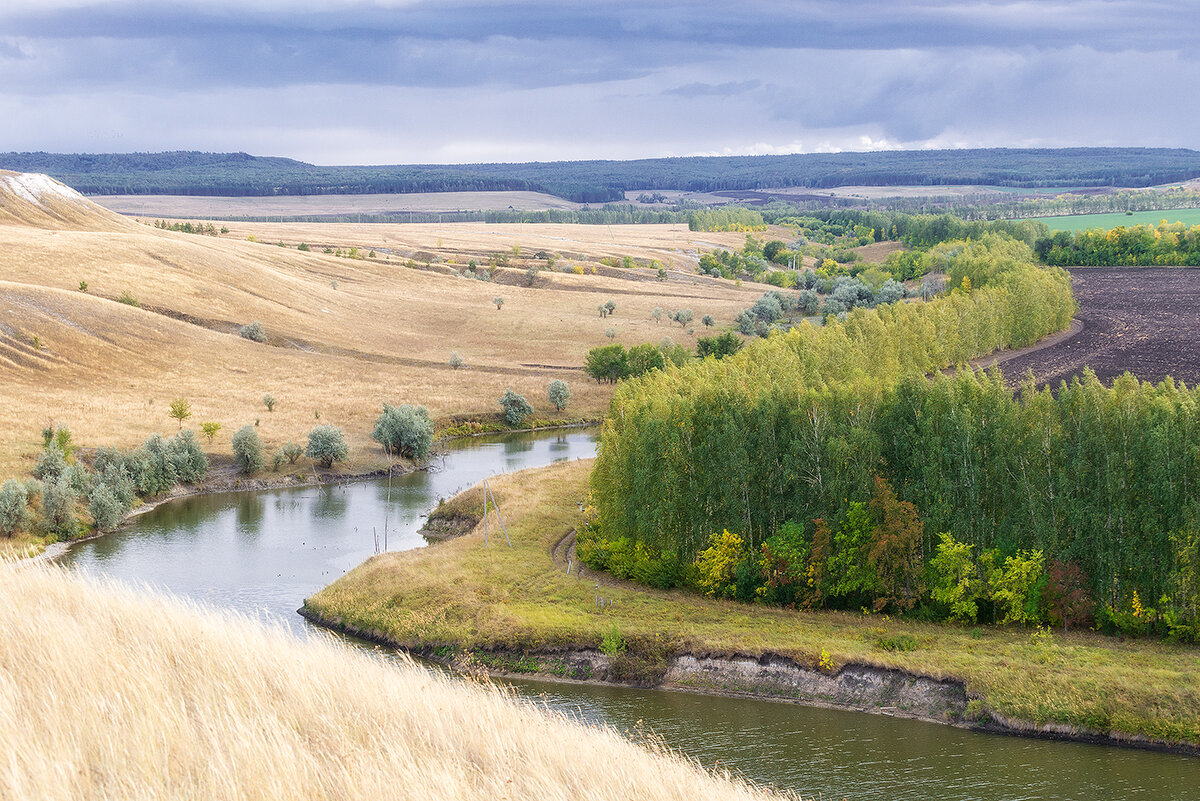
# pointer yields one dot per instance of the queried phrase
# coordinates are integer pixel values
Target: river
(261, 553)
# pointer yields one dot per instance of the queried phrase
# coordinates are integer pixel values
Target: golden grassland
(345, 335)
(459, 593)
(140, 697)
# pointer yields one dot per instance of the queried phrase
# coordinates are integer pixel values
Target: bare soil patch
(1142, 320)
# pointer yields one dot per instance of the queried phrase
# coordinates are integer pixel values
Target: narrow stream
(262, 553)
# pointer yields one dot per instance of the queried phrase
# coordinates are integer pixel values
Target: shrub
(155, 471)
(50, 463)
(291, 451)
(643, 358)
(105, 507)
(210, 430)
(456, 361)
(247, 450)
(499, 301)
(610, 306)
(683, 317)
(58, 507)
(269, 402)
(657, 314)
(128, 299)
(326, 444)
(559, 393)
(516, 408)
(610, 332)
(405, 430)
(708, 321)
(187, 460)
(254, 332)
(14, 507)
(716, 565)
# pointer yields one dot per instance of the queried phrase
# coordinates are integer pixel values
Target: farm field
(344, 334)
(1080, 222)
(1141, 320)
(313, 205)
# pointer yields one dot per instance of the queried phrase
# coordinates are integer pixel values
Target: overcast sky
(393, 81)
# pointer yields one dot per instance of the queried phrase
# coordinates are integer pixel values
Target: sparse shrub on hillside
(180, 410)
(708, 321)
(610, 306)
(531, 276)
(683, 317)
(303, 246)
(128, 299)
(277, 461)
(327, 444)
(14, 508)
(610, 332)
(499, 301)
(657, 314)
(516, 408)
(247, 450)
(292, 451)
(405, 430)
(104, 507)
(50, 463)
(269, 402)
(210, 430)
(254, 332)
(559, 393)
(83, 286)
(456, 361)
(603, 311)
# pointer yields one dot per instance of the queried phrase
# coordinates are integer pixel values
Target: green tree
(559, 393)
(956, 580)
(247, 450)
(1016, 587)
(326, 445)
(607, 363)
(180, 410)
(210, 430)
(720, 346)
(269, 401)
(516, 408)
(405, 430)
(499, 301)
(14, 507)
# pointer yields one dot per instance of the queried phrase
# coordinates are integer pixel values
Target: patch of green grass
(1080, 222)
(517, 599)
(475, 426)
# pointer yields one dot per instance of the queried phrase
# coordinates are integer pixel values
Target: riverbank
(223, 477)
(517, 610)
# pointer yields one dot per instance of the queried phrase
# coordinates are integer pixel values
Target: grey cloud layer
(467, 81)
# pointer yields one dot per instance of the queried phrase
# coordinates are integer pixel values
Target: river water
(262, 553)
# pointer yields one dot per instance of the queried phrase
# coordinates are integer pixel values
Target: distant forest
(239, 174)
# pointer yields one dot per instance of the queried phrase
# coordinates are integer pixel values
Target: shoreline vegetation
(224, 479)
(518, 612)
(142, 697)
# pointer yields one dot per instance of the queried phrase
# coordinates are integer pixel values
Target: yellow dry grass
(135, 697)
(345, 334)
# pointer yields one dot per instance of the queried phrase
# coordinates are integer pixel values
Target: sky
(407, 81)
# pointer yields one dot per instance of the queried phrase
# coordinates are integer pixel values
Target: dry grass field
(345, 334)
(136, 697)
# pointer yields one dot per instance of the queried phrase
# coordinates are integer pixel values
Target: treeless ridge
(345, 335)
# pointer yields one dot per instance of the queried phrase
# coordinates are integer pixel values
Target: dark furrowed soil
(1144, 320)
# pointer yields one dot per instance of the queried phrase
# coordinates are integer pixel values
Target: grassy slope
(383, 333)
(457, 592)
(141, 698)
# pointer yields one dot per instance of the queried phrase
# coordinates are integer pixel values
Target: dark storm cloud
(578, 79)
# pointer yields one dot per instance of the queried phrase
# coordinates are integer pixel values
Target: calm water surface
(262, 553)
